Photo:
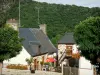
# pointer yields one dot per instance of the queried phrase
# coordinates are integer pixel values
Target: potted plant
(30, 61)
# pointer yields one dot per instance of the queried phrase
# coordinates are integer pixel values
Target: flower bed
(17, 66)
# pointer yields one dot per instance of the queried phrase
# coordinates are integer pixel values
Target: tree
(5, 5)
(55, 39)
(87, 36)
(10, 43)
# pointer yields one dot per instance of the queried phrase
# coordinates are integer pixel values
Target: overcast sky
(86, 3)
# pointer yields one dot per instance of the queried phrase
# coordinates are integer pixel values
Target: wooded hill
(58, 18)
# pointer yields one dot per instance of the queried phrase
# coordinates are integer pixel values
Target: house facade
(68, 49)
(40, 60)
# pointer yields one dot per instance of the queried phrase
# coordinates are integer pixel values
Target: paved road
(27, 72)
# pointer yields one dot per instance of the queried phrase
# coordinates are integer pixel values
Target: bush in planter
(47, 63)
(17, 66)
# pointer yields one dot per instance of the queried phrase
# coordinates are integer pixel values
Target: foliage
(41, 62)
(59, 18)
(55, 39)
(76, 55)
(29, 61)
(5, 6)
(10, 44)
(2, 18)
(87, 36)
(47, 63)
(17, 66)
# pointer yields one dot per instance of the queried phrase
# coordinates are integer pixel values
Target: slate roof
(36, 42)
(67, 39)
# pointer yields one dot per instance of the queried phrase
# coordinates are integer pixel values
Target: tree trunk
(1, 65)
(30, 67)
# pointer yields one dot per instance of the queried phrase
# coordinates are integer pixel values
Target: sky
(85, 3)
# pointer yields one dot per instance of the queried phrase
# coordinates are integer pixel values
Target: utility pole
(38, 13)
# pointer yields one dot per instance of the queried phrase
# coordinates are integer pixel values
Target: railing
(62, 56)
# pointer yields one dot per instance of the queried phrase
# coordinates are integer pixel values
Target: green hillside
(58, 18)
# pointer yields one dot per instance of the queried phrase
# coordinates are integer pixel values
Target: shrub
(17, 66)
(76, 55)
(47, 63)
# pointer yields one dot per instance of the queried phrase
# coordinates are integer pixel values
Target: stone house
(66, 49)
(37, 44)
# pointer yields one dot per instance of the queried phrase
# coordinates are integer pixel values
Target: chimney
(43, 28)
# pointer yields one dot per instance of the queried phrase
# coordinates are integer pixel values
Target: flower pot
(32, 71)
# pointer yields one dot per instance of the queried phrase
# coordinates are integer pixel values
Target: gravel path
(27, 72)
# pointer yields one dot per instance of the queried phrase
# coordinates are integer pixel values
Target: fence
(70, 71)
